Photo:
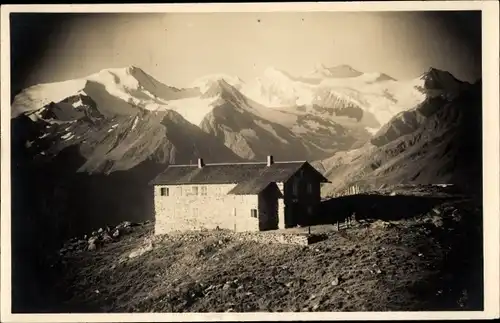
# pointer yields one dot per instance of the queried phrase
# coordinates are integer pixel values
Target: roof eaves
(288, 177)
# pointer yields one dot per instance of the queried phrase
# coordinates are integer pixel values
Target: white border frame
(491, 161)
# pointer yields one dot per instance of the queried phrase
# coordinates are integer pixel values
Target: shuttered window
(253, 213)
(164, 191)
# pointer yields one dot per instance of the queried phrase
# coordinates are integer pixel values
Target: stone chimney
(200, 163)
(270, 160)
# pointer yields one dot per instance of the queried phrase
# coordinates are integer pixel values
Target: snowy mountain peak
(134, 69)
(376, 77)
(433, 73)
(218, 88)
(342, 71)
(114, 76)
(339, 71)
(273, 72)
(206, 82)
(436, 79)
(320, 67)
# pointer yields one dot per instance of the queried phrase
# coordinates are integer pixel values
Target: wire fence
(352, 190)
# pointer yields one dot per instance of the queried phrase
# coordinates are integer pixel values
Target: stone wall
(281, 238)
(181, 210)
(281, 214)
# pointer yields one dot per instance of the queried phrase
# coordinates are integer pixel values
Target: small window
(164, 191)
(253, 213)
(309, 188)
(194, 190)
(295, 187)
(309, 210)
(203, 190)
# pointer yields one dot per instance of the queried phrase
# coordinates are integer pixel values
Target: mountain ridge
(436, 142)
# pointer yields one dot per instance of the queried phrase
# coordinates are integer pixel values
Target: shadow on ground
(375, 207)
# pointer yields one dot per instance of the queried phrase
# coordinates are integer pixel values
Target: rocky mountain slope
(438, 141)
(254, 131)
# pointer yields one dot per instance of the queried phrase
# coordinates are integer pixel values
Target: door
(297, 212)
(268, 208)
(268, 215)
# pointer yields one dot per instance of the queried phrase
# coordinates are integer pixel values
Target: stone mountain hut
(236, 196)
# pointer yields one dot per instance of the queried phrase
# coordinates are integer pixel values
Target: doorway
(268, 208)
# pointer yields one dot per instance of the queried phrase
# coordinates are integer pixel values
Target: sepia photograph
(246, 161)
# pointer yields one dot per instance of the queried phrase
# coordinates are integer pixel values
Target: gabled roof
(251, 186)
(226, 173)
(251, 177)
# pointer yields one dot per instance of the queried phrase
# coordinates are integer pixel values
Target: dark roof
(250, 177)
(252, 186)
(227, 173)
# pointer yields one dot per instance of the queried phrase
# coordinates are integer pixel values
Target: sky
(177, 48)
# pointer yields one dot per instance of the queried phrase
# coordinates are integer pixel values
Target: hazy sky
(178, 48)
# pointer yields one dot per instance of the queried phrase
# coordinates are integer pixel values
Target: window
(203, 190)
(195, 212)
(309, 188)
(253, 213)
(191, 190)
(295, 187)
(164, 191)
(310, 210)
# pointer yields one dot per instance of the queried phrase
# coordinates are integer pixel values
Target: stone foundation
(266, 237)
(281, 238)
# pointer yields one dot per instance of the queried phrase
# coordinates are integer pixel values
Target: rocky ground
(427, 262)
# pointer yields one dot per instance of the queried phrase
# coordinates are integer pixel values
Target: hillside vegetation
(429, 261)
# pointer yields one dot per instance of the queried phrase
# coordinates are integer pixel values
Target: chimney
(270, 160)
(200, 163)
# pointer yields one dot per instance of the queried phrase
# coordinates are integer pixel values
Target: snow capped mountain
(340, 71)
(277, 89)
(371, 99)
(276, 113)
(37, 96)
(253, 131)
(374, 98)
(205, 82)
(130, 85)
(113, 97)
